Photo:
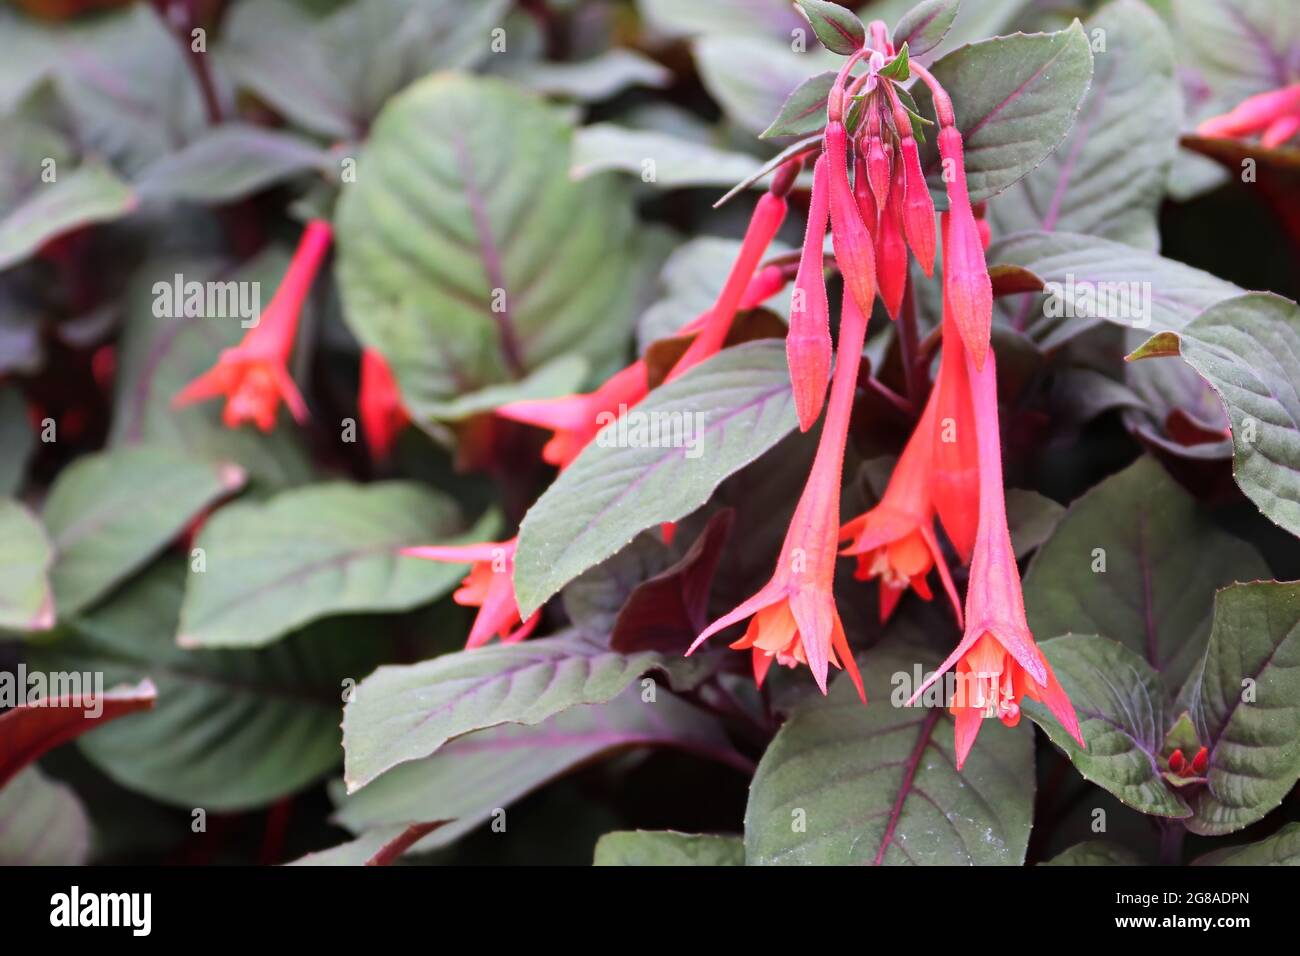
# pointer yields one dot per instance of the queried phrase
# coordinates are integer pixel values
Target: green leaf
(1247, 706)
(233, 161)
(1015, 98)
(42, 822)
(846, 784)
(403, 713)
(737, 405)
(1246, 348)
(1123, 715)
(839, 30)
(232, 729)
(668, 848)
(752, 77)
(1095, 853)
(110, 512)
(473, 775)
(676, 162)
(1099, 280)
(1281, 849)
(271, 567)
(90, 193)
(766, 18)
(1031, 518)
(924, 26)
(334, 74)
(897, 68)
(16, 438)
(804, 111)
(26, 601)
(594, 79)
(1108, 177)
(560, 376)
(467, 255)
(1163, 560)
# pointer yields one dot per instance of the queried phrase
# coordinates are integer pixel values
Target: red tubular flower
(879, 168)
(966, 285)
(768, 215)
(891, 248)
(849, 234)
(254, 375)
(576, 419)
(1274, 115)
(488, 586)
(997, 661)
(793, 617)
(808, 343)
(918, 206)
(383, 416)
(956, 478)
(895, 540)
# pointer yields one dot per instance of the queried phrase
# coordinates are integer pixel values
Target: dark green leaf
(403, 713)
(736, 406)
(839, 30)
(924, 26)
(26, 601)
(1247, 706)
(805, 110)
(271, 567)
(42, 822)
(1163, 560)
(844, 784)
(1015, 98)
(1123, 715)
(467, 255)
(1281, 849)
(1108, 177)
(1095, 853)
(1247, 349)
(110, 512)
(231, 162)
(667, 848)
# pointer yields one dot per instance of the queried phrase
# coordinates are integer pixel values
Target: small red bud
(1200, 761)
(1177, 761)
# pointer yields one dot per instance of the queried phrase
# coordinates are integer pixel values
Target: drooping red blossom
(764, 224)
(575, 419)
(966, 285)
(997, 662)
(891, 247)
(383, 416)
(956, 476)
(918, 205)
(1273, 116)
(793, 618)
(808, 343)
(254, 375)
(895, 540)
(489, 586)
(850, 237)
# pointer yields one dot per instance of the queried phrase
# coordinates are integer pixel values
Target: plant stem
(909, 347)
(1172, 833)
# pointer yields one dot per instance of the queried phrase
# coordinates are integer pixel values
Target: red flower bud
(852, 241)
(808, 343)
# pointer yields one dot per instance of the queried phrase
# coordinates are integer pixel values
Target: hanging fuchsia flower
(1273, 116)
(997, 661)
(850, 237)
(764, 224)
(918, 205)
(489, 586)
(895, 540)
(383, 416)
(808, 343)
(793, 619)
(254, 375)
(575, 419)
